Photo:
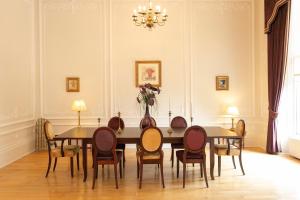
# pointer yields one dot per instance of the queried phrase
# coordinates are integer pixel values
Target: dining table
(131, 135)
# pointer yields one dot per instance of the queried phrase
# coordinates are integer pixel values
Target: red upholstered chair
(177, 123)
(232, 147)
(104, 147)
(113, 123)
(147, 122)
(150, 151)
(57, 152)
(194, 150)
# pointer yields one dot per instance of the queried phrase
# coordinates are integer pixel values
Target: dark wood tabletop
(132, 134)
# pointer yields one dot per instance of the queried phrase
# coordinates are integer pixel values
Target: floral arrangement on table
(147, 96)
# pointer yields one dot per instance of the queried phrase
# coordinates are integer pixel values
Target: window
(297, 93)
(289, 108)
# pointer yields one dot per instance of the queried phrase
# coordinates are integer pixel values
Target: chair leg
(184, 171)
(96, 166)
(233, 161)
(137, 168)
(201, 170)
(193, 164)
(141, 174)
(93, 165)
(177, 167)
(77, 159)
(120, 166)
(204, 171)
(162, 173)
(116, 175)
(94, 176)
(172, 157)
(219, 165)
(241, 164)
(124, 158)
(72, 167)
(49, 166)
(55, 162)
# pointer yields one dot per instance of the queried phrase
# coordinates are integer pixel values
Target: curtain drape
(277, 24)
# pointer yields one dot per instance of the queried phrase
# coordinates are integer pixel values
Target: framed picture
(72, 84)
(148, 72)
(222, 83)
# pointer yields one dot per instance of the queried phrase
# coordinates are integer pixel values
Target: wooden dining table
(131, 135)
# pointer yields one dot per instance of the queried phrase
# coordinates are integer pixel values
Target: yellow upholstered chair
(232, 147)
(150, 151)
(63, 151)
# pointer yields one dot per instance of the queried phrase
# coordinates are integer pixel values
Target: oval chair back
(114, 122)
(104, 141)
(151, 140)
(240, 128)
(147, 122)
(178, 122)
(195, 139)
(48, 128)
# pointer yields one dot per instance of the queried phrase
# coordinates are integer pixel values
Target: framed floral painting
(148, 72)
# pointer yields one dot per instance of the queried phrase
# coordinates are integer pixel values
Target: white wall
(17, 79)
(97, 41)
(261, 76)
(44, 41)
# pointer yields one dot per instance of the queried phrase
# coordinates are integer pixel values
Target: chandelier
(149, 17)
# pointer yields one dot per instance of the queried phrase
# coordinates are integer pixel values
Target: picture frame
(72, 84)
(222, 82)
(148, 72)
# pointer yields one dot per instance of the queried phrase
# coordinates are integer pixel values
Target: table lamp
(233, 112)
(78, 106)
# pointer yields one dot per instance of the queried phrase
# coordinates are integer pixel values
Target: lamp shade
(233, 111)
(78, 105)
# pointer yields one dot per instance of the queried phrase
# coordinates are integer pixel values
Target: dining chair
(177, 122)
(194, 151)
(150, 151)
(232, 147)
(104, 146)
(114, 123)
(57, 152)
(147, 122)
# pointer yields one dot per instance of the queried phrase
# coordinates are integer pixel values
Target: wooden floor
(267, 177)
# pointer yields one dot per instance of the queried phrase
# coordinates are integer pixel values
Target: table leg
(212, 157)
(84, 159)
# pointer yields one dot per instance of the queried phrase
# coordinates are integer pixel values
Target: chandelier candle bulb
(157, 8)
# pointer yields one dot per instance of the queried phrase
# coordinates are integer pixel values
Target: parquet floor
(268, 177)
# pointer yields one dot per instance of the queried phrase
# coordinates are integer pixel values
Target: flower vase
(146, 121)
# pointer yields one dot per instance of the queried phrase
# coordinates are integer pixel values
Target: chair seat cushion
(222, 150)
(189, 155)
(177, 146)
(148, 156)
(109, 156)
(69, 151)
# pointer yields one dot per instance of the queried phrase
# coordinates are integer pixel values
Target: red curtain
(277, 25)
